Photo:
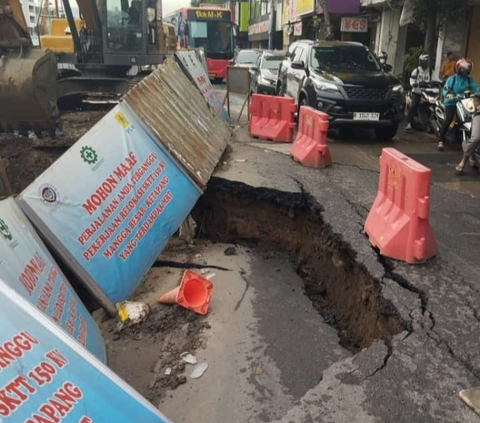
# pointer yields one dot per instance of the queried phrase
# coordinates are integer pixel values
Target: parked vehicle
(246, 58)
(346, 81)
(265, 72)
(424, 119)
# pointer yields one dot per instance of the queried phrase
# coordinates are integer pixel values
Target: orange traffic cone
(194, 293)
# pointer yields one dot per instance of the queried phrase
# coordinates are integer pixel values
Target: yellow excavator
(92, 54)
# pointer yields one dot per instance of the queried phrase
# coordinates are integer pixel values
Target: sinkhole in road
(342, 291)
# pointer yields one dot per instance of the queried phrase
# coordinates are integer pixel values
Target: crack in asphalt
(384, 363)
(186, 265)
(247, 285)
(356, 167)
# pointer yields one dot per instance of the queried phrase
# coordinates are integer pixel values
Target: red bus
(208, 27)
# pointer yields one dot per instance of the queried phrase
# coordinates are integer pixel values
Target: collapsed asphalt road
(417, 374)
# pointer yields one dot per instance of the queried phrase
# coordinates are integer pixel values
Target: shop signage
(297, 29)
(303, 7)
(258, 28)
(354, 25)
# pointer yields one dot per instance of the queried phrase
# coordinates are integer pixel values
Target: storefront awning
(341, 6)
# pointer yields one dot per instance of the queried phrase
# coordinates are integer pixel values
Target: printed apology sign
(110, 204)
(27, 267)
(45, 377)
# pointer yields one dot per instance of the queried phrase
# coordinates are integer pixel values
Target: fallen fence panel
(28, 268)
(47, 377)
(176, 114)
(110, 204)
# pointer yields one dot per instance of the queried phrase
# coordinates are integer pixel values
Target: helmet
(423, 60)
(464, 67)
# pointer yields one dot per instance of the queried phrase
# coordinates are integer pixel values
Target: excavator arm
(28, 91)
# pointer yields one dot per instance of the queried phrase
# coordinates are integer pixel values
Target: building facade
(30, 13)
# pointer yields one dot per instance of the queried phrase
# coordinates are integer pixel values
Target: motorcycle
(424, 119)
(461, 128)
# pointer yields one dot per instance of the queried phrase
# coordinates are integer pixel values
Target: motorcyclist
(420, 76)
(459, 84)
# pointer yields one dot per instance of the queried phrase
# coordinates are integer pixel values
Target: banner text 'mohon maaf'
(109, 184)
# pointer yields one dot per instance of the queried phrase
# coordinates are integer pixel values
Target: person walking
(469, 146)
(458, 84)
(448, 67)
(419, 77)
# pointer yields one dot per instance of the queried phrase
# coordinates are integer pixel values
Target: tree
(326, 21)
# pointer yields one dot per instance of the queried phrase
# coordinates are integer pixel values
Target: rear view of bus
(210, 28)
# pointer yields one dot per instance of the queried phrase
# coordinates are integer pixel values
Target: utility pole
(271, 24)
(326, 20)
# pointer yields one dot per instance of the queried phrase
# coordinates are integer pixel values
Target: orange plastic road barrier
(310, 146)
(398, 221)
(194, 293)
(272, 118)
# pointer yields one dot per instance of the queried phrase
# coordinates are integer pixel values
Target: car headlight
(325, 86)
(398, 89)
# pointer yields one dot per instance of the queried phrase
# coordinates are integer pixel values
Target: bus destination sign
(217, 15)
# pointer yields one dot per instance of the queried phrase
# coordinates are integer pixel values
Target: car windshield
(272, 62)
(343, 58)
(246, 57)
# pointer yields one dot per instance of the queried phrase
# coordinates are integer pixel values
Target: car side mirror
(388, 68)
(298, 64)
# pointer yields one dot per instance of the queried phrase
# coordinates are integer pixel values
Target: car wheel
(386, 133)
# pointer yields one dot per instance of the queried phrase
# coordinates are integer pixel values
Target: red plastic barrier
(398, 221)
(272, 118)
(310, 146)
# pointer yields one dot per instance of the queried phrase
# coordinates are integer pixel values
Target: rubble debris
(199, 370)
(230, 251)
(188, 358)
(133, 312)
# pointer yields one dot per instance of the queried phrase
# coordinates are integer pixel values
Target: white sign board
(28, 268)
(193, 68)
(110, 204)
(46, 377)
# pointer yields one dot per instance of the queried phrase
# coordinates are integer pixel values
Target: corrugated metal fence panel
(174, 110)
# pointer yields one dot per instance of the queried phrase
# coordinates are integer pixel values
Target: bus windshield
(214, 36)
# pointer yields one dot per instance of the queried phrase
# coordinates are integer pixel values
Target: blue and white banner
(111, 203)
(46, 377)
(27, 267)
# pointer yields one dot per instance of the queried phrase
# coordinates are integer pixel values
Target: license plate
(366, 116)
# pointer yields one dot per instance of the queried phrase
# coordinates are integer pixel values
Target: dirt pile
(28, 157)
